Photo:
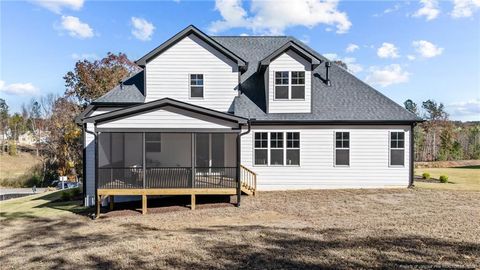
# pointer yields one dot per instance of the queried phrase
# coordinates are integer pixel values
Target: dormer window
(298, 85)
(196, 85)
(290, 85)
(281, 84)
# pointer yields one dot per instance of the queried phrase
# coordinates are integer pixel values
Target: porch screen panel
(218, 150)
(168, 158)
(120, 160)
(202, 150)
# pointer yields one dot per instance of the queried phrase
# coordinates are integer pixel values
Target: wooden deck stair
(248, 180)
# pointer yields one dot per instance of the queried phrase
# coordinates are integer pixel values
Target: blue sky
(417, 49)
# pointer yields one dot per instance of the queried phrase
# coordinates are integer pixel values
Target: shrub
(12, 149)
(443, 179)
(70, 194)
(426, 175)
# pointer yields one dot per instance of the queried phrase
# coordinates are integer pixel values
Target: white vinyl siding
(165, 118)
(89, 140)
(89, 173)
(168, 74)
(291, 62)
(369, 159)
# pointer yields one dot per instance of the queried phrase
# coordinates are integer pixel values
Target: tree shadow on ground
(235, 247)
(309, 248)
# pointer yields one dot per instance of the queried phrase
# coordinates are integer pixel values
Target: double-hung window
(261, 148)
(293, 148)
(298, 85)
(289, 84)
(276, 148)
(342, 148)
(196, 85)
(397, 148)
(281, 84)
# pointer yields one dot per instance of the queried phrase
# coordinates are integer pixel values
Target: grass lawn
(459, 178)
(40, 205)
(311, 229)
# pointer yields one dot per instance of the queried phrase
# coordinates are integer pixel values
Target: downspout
(412, 155)
(95, 135)
(239, 141)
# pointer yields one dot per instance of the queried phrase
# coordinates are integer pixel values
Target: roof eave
(159, 103)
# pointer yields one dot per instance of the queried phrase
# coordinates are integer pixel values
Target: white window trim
(190, 86)
(390, 149)
(335, 149)
(254, 148)
(289, 85)
(275, 86)
(294, 148)
(270, 148)
(284, 149)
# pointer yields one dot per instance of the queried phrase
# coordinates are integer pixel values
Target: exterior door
(210, 150)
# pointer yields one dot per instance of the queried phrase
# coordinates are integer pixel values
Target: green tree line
(438, 138)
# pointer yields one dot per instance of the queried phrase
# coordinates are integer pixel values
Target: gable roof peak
(191, 29)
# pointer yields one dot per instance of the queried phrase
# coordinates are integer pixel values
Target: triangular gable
(166, 114)
(184, 33)
(291, 45)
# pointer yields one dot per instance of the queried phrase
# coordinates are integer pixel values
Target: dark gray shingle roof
(130, 91)
(347, 99)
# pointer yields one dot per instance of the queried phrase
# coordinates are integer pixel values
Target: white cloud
(427, 49)
(392, 9)
(429, 10)
(58, 5)
(352, 47)
(82, 56)
(267, 17)
(411, 57)
(388, 75)
(142, 29)
(351, 62)
(388, 50)
(76, 28)
(468, 109)
(465, 8)
(18, 89)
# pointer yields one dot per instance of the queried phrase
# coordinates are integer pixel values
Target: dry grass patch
(294, 229)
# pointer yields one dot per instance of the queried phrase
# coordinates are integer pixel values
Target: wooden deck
(111, 193)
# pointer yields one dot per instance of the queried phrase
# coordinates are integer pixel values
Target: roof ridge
(233, 36)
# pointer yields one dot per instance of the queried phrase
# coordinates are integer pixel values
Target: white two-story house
(235, 114)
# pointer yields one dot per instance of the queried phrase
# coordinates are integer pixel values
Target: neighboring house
(206, 111)
(27, 139)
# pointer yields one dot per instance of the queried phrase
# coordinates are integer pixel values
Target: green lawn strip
(39, 205)
(459, 178)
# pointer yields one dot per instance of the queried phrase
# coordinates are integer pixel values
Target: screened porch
(154, 160)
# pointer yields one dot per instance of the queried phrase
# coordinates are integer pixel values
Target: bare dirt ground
(316, 229)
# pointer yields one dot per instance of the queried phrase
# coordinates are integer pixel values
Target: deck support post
(144, 204)
(192, 201)
(110, 200)
(98, 202)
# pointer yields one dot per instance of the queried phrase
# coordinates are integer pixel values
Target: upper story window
(281, 84)
(196, 85)
(298, 85)
(397, 148)
(342, 148)
(289, 84)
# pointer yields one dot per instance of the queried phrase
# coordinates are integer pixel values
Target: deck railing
(167, 177)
